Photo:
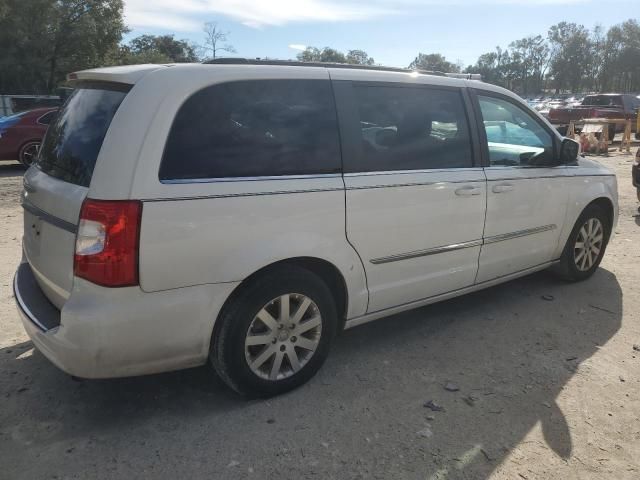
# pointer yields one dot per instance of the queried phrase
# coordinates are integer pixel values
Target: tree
(327, 54)
(621, 66)
(569, 45)
(157, 49)
(43, 40)
(214, 40)
(433, 62)
(359, 57)
(530, 57)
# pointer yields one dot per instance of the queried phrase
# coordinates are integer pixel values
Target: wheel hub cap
(588, 244)
(283, 336)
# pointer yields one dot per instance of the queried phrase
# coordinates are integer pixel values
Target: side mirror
(569, 150)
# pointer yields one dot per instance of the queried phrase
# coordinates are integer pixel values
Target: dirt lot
(548, 388)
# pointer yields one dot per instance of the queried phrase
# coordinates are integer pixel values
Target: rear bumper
(104, 333)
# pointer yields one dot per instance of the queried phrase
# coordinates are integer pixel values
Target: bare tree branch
(215, 40)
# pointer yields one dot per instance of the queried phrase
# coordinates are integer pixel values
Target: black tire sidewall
(21, 152)
(573, 273)
(242, 310)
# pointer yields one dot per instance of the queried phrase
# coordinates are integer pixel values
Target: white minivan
(245, 213)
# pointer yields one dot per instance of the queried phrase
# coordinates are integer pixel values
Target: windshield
(603, 101)
(74, 139)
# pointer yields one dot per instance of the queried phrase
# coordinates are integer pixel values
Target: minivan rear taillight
(107, 242)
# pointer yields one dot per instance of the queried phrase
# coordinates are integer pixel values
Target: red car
(21, 134)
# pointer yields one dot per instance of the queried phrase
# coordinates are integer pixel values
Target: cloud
(188, 15)
(297, 46)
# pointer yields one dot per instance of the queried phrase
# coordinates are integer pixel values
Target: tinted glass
(46, 118)
(74, 138)
(22, 104)
(603, 100)
(410, 129)
(254, 128)
(514, 137)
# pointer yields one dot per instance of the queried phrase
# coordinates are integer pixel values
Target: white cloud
(188, 15)
(297, 46)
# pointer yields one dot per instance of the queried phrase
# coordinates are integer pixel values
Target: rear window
(46, 118)
(603, 101)
(74, 138)
(22, 104)
(254, 128)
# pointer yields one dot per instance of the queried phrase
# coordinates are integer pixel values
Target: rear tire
(612, 133)
(585, 246)
(260, 348)
(28, 152)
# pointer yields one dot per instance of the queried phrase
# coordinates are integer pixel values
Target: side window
(406, 128)
(46, 118)
(515, 138)
(254, 128)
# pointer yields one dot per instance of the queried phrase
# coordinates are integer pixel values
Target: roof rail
(295, 63)
(465, 76)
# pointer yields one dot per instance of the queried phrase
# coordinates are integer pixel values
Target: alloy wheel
(588, 244)
(28, 153)
(283, 336)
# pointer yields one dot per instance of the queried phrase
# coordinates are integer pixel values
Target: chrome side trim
(428, 251)
(369, 317)
(520, 233)
(249, 179)
(459, 246)
(250, 194)
(23, 306)
(412, 184)
(47, 217)
(413, 172)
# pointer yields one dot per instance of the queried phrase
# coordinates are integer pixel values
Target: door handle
(468, 191)
(502, 188)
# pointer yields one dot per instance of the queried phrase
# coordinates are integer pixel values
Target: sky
(392, 32)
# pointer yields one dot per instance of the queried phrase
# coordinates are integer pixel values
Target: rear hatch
(56, 186)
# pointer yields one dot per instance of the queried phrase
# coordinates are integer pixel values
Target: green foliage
(43, 40)
(154, 49)
(331, 55)
(359, 57)
(433, 62)
(571, 58)
(313, 54)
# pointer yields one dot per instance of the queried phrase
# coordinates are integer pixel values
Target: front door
(526, 195)
(415, 201)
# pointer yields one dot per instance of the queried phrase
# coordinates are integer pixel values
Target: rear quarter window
(254, 128)
(74, 138)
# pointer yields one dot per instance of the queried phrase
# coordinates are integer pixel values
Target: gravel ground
(544, 388)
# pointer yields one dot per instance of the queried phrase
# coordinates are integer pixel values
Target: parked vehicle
(21, 134)
(12, 104)
(244, 214)
(610, 105)
(545, 108)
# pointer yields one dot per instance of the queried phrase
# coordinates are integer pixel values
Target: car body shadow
(506, 352)
(11, 169)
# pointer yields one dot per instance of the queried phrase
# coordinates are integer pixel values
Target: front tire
(28, 153)
(586, 245)
(275, 334)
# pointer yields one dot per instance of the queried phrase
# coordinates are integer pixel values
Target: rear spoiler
(128, 74)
